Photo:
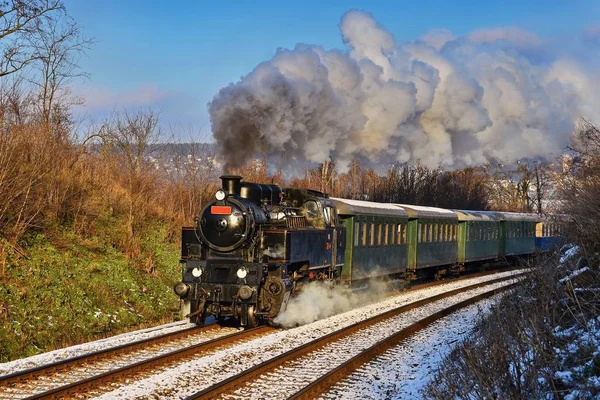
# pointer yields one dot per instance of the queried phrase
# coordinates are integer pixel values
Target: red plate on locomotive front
(220, 210)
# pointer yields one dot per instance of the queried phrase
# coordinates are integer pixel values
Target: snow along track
(205, 371)
(404, 370)
(311, 364)
(44, 378)
(90, 347)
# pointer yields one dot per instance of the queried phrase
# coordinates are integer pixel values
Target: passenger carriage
(432, 237)
(376, 238)
(517, 233)
(478, 236)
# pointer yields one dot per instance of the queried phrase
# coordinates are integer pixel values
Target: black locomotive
(253, 246)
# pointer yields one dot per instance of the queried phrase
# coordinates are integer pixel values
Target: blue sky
(175, 56)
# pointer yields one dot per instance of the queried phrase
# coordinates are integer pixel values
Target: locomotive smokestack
(231, 184)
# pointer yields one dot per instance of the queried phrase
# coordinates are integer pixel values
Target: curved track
(77, 375)
(240, 386)
(103, 370)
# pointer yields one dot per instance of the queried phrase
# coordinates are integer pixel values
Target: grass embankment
(66, 289)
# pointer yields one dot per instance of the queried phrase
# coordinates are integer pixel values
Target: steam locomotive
(256, 245)
(253, 246)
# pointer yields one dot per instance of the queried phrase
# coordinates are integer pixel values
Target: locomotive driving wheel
(248, 319)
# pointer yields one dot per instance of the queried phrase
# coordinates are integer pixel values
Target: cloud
(100, 98)
(437, 38)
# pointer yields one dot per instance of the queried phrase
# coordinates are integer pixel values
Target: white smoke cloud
(317, 301)
(441, 100)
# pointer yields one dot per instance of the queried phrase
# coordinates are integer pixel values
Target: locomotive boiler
(253, 246)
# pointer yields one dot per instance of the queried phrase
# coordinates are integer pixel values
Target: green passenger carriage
(517, 233)
(431, 237)
(376, 238)
(478, 236)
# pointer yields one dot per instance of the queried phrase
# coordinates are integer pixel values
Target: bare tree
(580, 186)
(59, 48)
(22, 23)
(133, 137)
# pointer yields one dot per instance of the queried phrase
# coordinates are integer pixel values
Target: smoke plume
(441, 100)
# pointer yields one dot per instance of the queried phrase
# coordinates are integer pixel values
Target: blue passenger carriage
(549, 232)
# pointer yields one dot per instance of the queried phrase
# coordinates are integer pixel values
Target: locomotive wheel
(251, 318)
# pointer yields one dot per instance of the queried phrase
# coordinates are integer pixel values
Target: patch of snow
(569, 253)
(573, 274)
(403, 371)
(90, 347)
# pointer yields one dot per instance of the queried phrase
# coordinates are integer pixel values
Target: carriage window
(386, 235)
(356, 233)
(364, 234)
(372, 236)
(435, 232)
(378, 234)
(419, 230)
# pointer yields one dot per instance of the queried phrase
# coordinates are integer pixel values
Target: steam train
(256, 245)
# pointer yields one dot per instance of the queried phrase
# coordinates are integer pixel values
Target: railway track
(77, 375)
(104, 370)
(294, 371)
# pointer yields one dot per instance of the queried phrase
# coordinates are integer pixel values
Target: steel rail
(70, 390)
(234, 382)
(327, 381)
(63, 365)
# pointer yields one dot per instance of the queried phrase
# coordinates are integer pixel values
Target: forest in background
(90, 218)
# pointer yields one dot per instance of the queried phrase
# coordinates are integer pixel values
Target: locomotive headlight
(242, 273)
(197, 272)
(220, 195)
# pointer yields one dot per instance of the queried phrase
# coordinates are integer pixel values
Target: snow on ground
(403, 371)
(90, 347)
(293, 376)
(569, 253)
(194, 375)
(574, 274)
